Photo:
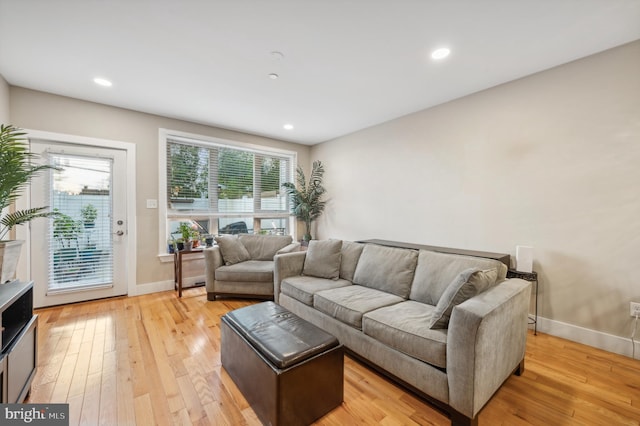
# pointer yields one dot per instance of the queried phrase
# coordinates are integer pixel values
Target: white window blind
(237, 189)
(80, 235)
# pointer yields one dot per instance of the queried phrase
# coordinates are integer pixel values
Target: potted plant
(16, 172)
(89, 215)
(185, 230)
(306, 199)
(195, 239)
(66, 231)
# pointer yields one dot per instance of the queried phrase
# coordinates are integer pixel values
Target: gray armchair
(242, 266)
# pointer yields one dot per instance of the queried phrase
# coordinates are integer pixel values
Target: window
(80, 243)
(223, 187)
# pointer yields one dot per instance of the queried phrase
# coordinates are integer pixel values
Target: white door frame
(24, 233)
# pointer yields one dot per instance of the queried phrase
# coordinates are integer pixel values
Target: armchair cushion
(323, 259)
(264, 247)
(232, 250)
(248, 271)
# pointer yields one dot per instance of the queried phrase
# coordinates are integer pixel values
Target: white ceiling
(347, 64)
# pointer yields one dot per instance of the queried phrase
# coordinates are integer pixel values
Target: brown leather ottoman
(289, 370)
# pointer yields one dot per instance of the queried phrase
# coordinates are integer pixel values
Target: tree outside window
(235, 174)
(224, 185)
(188, 172)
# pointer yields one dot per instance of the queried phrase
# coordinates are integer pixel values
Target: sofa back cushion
(350, 255)
(231, 249)
(323, 259)
(435, 271)
(387, 269)
(264, 247)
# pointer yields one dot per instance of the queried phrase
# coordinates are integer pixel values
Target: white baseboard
(156, 287)
(159, 286)
(597, 339)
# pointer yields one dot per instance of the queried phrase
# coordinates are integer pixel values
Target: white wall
(551, 161)
(46, 112)
(5, 118)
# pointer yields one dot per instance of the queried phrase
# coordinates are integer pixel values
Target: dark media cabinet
(18, 354)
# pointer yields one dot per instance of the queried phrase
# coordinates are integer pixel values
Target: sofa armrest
(284, 266)
(486, 342)
(291, 248)
(212, 261)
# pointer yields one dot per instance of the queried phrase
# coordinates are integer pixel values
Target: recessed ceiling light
(273, 76)
(102, 82)
(288, 126)
(440, 53)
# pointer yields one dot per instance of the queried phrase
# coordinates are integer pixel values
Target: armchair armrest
(293, 247)
(212, 261)
(486, 342)
(284, 266)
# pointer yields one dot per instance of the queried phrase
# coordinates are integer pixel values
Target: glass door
(79, 254)
(80, 245)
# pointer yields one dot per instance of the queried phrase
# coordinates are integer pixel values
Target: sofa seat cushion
(302, 288)
(251, 271)
(435, 271)
(348, 304)
(405, 327)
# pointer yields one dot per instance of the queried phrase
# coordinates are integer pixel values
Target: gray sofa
(449, 327)
(242, 265)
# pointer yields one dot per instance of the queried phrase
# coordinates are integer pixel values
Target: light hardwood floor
(155, 360)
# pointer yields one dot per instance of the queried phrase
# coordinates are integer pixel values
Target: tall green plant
(16, 172)
(306, 199)
(66, 230)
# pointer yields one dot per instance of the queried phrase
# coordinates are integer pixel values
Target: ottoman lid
(282, 337)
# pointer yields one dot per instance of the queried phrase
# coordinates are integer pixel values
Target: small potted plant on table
(186, 233)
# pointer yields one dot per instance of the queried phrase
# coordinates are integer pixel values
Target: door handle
(119, 233)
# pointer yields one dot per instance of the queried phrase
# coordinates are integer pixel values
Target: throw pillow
(323, 259)
(466, 285)
(232, 250)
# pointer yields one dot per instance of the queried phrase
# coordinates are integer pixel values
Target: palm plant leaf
(16, 171)
(317, 173)
(302, 181)
(12, 186)
(22, 216)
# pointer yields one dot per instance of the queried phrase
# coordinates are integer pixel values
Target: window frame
(165, 215)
